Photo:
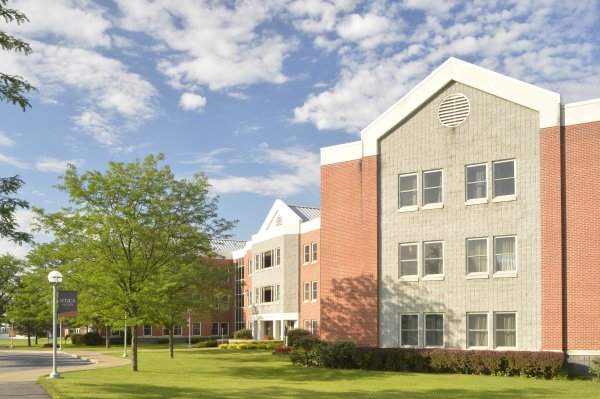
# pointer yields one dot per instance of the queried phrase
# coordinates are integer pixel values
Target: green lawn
(21, 344)
(207, 373)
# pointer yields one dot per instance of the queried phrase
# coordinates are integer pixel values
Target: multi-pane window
(250, 267)
(147, 329)
(165, 331)
(267, 294)
(225, 329)
(476, 182)
(177, 330)
(433, 258)
(409, 330)
(306, 253)
(257, 296)
(267, 258)
(504, 178)
(314, 290)
(314, 251)
(505, 254)
(477, 330)
(407, 187)
(257, 265)
(432, 187)
(506, 330)
(477, 255)
(306, 291)
(196, 329)
(307, 325)
(314, 327)
(409, 261)
(434, 330)
(277, 292)
(277, 256)
(249, 297)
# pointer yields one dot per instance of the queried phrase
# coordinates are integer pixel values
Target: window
(306, 253)
(249, 297)
(196, 330)
(277, 292)
(409, 262)
(476, 182)
(314, 290)
(177, 330)
(165, 331)
(257, 296)
(214, 330)
(257, 262)
(314, 251)
(267, 294)
(504, 178)
(477, 330)
(505, 254)
(432, 187)
(267, 259)
(314, 328)
(433, 254)
(506, 330)
(477, 255)
(306, 291)
(409, 330)
(225, 329)
(307, 325)
(434, 330)
(407, 190)
(277, 256)
(250, 267)
(147, 329)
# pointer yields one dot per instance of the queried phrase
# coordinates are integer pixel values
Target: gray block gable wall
(495, 130)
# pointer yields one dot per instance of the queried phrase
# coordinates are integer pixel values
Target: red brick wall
(308, 273)
(582, 234)
(551, 247)
(349, 251)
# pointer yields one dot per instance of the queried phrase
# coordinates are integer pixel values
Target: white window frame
(257, 296)
(408, 208)
(480, 200)
(306, 325)
(425, 330)
(313, 252)
(277, 257)
(408, 277)
(433, 205)
(516, 330)
(221, 324)
(165, 331)
(144, 330)
(250, 297)
(314, 289)
(306, 254)
(263, 256)
(250, 267)
(194, 328)
(277, 293)
(175, 328)
(487, 329)
(486, 273)
(506, 197)
(418, 332)
(212, 328)
(306, 291)
(314, 327)
(438, 276)
(509, 273)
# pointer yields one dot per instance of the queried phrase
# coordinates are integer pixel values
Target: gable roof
(306, 213)
(227, 246)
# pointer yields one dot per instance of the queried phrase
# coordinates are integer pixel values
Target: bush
(252, 346)
(224, 346)
(268, 338)
(281, 349)
(162, 341)
(92, 339)
(242, 346)
(261, 346)
(596, 369)
(306, 342)
(77, 339)
(272, 345)
(337, 355)
(207, 344)
(293, 335)
(243, 334)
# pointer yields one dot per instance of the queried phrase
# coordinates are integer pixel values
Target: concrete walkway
(22, 383)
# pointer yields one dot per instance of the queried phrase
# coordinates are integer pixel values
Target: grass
(207, 373)
(21, 344)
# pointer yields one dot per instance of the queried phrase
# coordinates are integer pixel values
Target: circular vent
(454, 110)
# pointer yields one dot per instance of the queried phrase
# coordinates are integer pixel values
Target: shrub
(337, 355)
(49, 345)
(252, 346)
(272, 345)
(282, 349)
(232, 346)
(77, 339)
(162, 341)
(242, 346)
(224, 346)
(596, 369)
(194, 340)
(268, 338)
(306, 342)
(92, 339)
(304, 357)
(294, 334)
(243, 334)
(261, 346)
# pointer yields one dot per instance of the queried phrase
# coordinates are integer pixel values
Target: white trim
(487, 258)
(507, 197)
(409, 277)
(432, 205)
(418, 330)
(274, 316)
(580, 352)
(341, 153)
(487, 329)
(408, 208)
(311, 225)
(480, 200)
(436, 276)
(581, 112)
(516, 332)
(507, 273)
(547, 103)
(425, 314)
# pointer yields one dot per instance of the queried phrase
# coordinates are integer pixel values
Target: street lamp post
(125, 340)
(189, 314)
(55, 278)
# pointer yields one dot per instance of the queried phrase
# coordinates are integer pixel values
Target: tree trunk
(171, 341)
(134, 358)
(107, 338)
(29, 338)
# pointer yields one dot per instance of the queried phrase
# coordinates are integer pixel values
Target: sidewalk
(22, 384)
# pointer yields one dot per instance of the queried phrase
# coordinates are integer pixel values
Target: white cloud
(8, 160)
(5, 141)
(210, 162)
(303, 173)
(192, 102)
(98, 127)
(48, 164)
(369, 30)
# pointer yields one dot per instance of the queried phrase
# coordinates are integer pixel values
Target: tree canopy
(8, 206)
(133, 233)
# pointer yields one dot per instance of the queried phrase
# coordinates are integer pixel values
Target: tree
(11, 269)
(130, 231)
(8, 206)
(13, 87)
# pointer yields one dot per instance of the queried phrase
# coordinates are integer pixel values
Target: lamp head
(55, 277)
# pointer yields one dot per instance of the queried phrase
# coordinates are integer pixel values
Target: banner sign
(67, 303)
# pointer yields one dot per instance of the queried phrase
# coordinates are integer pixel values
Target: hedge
(243, 334)
(295, 334)
(510, 363)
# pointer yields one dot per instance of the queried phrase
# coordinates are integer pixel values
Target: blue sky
(249, 91)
